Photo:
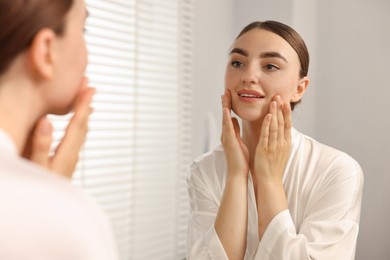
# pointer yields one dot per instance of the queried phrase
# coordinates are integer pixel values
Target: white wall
(347, 105)
(213, 36)
(353, 105)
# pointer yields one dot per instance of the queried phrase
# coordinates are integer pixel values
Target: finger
(237, 131)
(84, 96)
(265, 132)
(280, 119)
(226, 99)
(287, 122)
(224, 120)
(273, 129)
(41, 142)
(78, 124)
(223, 99)
(229, 99)
(224, 127)
(236, 127)
(66, 155)
(228, 124)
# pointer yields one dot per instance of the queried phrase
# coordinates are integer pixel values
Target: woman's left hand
(271, 156)
(273, 148)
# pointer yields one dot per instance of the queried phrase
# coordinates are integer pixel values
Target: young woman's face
(72, 59)
(261, 65)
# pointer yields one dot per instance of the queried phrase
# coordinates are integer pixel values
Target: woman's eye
(271, 67)
(236, 64)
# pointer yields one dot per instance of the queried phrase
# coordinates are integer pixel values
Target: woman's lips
(249, 95)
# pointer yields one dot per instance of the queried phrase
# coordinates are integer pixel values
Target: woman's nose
(250, 75)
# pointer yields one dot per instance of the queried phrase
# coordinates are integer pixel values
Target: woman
(272, 193)
(42, 62)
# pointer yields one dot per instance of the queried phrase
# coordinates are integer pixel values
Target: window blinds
(133, 162)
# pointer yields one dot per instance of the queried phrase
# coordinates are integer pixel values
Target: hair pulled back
(21, 20)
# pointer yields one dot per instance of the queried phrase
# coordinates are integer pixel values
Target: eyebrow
(267, 54)
(239, 51)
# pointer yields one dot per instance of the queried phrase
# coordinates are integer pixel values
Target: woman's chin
(250, 115)
(61, 110)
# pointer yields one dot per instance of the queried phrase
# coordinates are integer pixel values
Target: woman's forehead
(257, 41)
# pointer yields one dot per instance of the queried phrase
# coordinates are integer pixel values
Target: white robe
(43, 216)
(324, 191)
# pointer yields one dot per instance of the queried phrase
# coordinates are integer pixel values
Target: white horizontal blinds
(185, 126)
(133, 161)
(157, 121)
(107, 167)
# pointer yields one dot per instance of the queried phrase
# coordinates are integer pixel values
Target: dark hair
(21, 20)
(290, 36)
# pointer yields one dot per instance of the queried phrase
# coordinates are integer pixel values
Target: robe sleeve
(331, 220)
(202, 239)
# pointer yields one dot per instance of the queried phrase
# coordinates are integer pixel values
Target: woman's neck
(250, 136)
(19, 110)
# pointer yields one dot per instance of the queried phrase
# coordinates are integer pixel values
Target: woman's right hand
(65, 157)
(236, 153)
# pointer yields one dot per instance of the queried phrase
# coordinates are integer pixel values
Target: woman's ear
(300, 89)
(41, 54)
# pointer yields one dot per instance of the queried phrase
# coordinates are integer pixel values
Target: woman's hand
(65, 156)
(236, 152)
(271, 156)
(273, 148)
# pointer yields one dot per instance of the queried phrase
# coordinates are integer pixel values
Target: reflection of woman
(273, 193)
(42, 62)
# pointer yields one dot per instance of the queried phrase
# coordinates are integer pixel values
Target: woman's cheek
(228, 80)
(285, 91)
